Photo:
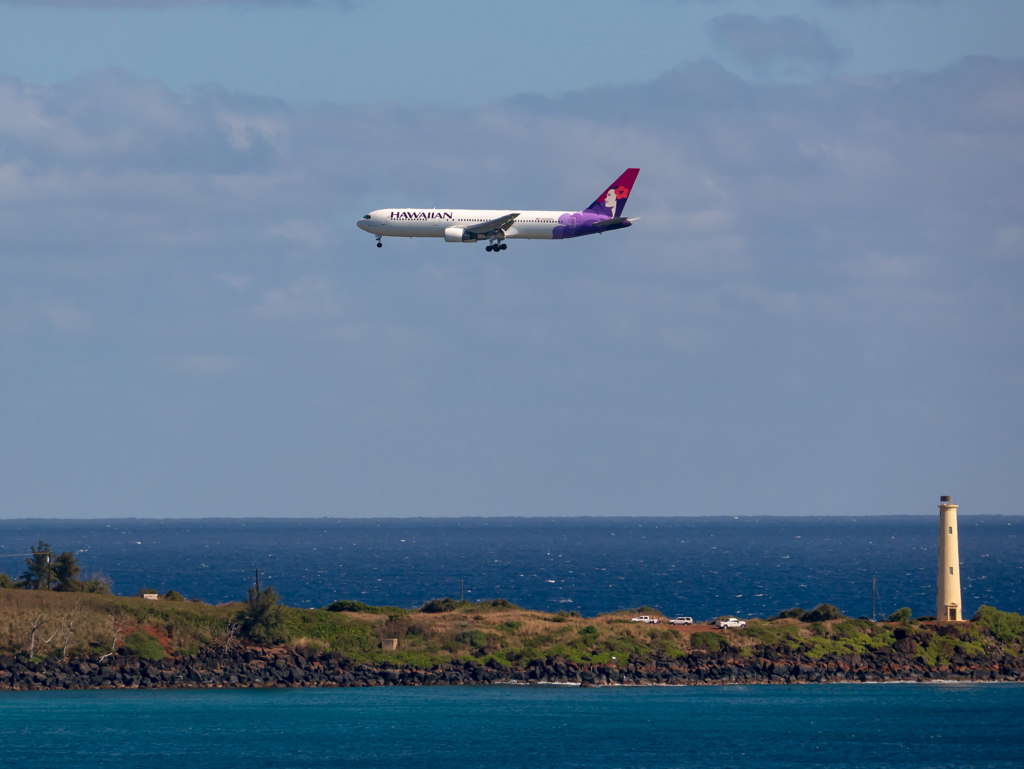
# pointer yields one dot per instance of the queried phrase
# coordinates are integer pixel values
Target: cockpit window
(367, 216)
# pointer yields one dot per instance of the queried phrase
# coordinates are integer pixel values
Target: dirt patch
(160, 635)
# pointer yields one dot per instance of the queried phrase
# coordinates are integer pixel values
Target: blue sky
(818, 313)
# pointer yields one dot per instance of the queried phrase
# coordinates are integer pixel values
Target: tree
(6, 581)
(117, 626)
(263, 618)
(901, 615)
(65, 570)
(67, 628)
(35, 632)
(39, 572)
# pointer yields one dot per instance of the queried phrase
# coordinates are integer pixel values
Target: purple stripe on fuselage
(580, 224)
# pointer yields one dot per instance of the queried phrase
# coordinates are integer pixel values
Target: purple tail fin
(613, 199)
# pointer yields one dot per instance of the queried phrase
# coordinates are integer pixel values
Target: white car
(731, 622)
(645, 619)
(681, 621)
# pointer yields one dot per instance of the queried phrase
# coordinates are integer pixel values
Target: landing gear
(497, 247)
(379, 244)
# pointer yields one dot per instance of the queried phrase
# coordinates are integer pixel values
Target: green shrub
(938, 650)
(439, 605)
(822, 612)
(1006, 626)
(818, 629)
(589, 634)
(173, 595)
(357, 607)
(510, 627)
(98, 584)
(6, 581)
(706, 641)
(901, 615)
(853, 629)
(794, 613)
(501, 603)
(665, 641)
(528, 653)
(144, 646)
(772, 635)
(475, 638)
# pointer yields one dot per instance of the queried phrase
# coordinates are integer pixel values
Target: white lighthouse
(948, 605)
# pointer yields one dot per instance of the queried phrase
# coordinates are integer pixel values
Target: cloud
(781, 45)
(811, 262)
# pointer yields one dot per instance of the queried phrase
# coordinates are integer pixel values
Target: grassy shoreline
(495, 633)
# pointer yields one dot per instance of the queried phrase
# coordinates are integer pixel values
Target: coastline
(264, 667)
(61, 641)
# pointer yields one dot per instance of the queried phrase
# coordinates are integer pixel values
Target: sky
(819, 311)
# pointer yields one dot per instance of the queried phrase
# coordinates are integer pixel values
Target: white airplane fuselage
(435, 222)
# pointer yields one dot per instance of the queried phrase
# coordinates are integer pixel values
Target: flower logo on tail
(613, 196)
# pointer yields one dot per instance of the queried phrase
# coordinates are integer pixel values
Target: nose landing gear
(379, 244)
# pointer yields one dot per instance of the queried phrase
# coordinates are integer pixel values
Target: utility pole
(462, 591)
(257, 579)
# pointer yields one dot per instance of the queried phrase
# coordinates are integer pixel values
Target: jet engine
(458, 235)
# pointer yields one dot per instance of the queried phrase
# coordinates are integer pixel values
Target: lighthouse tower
(948, 605)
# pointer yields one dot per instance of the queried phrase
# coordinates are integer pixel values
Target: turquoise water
(751, 726)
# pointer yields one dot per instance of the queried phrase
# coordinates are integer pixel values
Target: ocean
(883, 725)
(701, 567)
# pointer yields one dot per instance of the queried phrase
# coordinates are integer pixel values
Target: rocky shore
(261, 667)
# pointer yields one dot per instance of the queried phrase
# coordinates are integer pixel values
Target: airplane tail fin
(613, 199)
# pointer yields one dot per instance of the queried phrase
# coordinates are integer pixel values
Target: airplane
(471, 226)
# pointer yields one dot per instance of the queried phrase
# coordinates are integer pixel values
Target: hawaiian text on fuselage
(423, 215)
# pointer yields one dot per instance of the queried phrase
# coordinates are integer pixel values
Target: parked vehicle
(645, 619)
(681, 621)
(731, 622)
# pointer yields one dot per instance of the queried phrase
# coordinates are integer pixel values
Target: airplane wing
(488, 228)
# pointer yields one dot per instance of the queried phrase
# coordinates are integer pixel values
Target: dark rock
(906, 646)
